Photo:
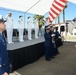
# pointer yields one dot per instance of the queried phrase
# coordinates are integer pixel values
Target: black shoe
(55, 55)
(52, 57)
(58, 52)
(48, 59)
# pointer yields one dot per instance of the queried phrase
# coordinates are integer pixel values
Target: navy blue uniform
(56, 40)
(47, 45)
(52, 50)
(4, 61)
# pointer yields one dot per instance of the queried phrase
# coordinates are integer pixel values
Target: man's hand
(5, 73)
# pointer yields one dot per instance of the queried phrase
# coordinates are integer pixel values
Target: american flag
(56, 9)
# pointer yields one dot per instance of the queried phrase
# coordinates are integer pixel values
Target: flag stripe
(49, 19)
(61, 4)
(52, 15)
(55, 12)
(64, 1)
(56, 8)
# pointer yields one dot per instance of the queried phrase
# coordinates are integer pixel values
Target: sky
(70, 13)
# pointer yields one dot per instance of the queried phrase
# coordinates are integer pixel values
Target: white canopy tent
(33, 6)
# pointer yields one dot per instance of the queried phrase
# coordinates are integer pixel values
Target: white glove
(52, 35)
(59, 37)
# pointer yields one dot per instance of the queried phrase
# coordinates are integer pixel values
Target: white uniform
(9, 28)
(46, 23)
(36, 28)
(21, 29)
(29, 23)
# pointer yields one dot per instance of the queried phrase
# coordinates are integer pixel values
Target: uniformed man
(29, 24)
(21, 28)
(9, 27)
(52, 42)
(36, 27)
(47, 44)
(4, 61)
(57, 37)
(46, 23)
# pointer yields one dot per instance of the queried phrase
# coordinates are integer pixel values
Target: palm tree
(40, 21)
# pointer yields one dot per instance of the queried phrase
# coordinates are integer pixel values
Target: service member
(9, 27)
(47, 44)
(4, 61)
(21, 28)
(36, 27)
(52, 42)
(29, 24)
(46, 23)
(57, 40)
